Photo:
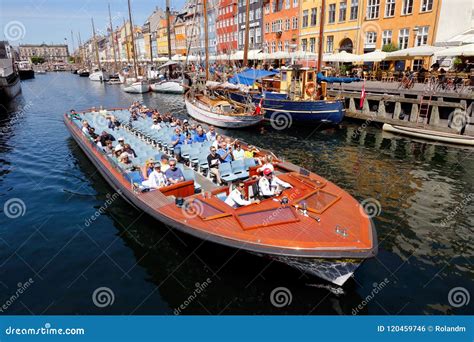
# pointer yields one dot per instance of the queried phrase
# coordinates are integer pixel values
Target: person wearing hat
(156, 125)
(125, 161)
(236, 197)
(157, 179)
(121, 144)
(269, 185)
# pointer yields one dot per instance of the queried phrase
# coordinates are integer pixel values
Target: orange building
(280, 25)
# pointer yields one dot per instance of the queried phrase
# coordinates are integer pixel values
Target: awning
(417, 51)
(463, 50)
(374, 56)
(342, 57)
(167, 64)
(239, 55)
(249, 76)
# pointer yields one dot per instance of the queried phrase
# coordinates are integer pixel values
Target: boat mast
(133, 41)
(168, 27)
(81, 50)
(126, 41)
(72, 42)
(96, 46)
(112, 33)
(321, 34)
(247, 30)
(206, 38)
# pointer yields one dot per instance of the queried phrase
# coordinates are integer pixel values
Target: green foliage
(37, 60)
(457, 61)
(389, 47)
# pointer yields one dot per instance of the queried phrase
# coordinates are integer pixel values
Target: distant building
(281, 25)
(226, 26)
(50, 53)
(180, 33)
(255, 24)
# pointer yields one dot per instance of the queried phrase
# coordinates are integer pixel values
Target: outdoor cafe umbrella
(342, 57)
(417, 51)
(463, 50)
(374, 56)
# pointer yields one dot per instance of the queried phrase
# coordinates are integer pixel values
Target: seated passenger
(74, 115)
(267, 164)
(148, 168)
(165, 163)
(236, 197)
(238, 153)
(85, 127)
(109, 148)
(121, 145)
(211, 134)
(92, 133)
(177, 140)
(213, 161)
(104, 137)
(156, 124)
(225, 152)
(174, 174)
(200, 135)
(269, 185)
(188, 140)
(125, 161)
(156, 179)
(130, 151)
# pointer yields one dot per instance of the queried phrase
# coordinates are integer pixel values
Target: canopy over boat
(249, 76)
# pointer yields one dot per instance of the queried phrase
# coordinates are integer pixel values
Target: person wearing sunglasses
(174, 174)
(214, 160)
(236, 197)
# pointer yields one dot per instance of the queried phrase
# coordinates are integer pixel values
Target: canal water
(70, 245)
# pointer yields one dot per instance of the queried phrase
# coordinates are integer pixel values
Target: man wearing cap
(156, 179)
(269, 184)
(236, 197)
(156, 125)
(121, 144)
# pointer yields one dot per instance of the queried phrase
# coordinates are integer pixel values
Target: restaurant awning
(342, 57)
(463, 50)
(417, 51)
(374, 56)
(239, 55)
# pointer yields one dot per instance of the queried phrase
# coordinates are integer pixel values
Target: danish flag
(362, 96)
(258, 109)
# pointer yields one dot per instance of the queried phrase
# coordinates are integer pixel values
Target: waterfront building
(226, 26)
(162, 36)
(149, 30)
(49, 52)
(281, 29)
(193, 28)
(180, 33)
(255, 24)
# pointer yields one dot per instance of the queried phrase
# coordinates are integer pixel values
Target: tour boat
(220, 112)
(138, 87)
(314, 226)
(450, 138)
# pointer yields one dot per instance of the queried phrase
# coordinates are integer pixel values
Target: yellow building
(162, 37)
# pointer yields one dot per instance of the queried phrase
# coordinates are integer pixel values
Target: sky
(51, 21)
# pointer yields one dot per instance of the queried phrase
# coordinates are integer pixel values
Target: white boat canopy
(417, 51)
(342, 57)
(463, 50)
(374, 56)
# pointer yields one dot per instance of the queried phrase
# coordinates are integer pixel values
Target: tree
(390, 47)
(37, 60)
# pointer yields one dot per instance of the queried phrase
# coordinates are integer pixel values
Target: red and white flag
(362, 96)
(258, 109)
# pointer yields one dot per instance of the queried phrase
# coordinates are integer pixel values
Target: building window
(426, 5)
(332, 13)
(295, 3)
(258, 36)
(370, 38)
(295, 23)
(342, 10)
(373, 7)
(304, 43)
(251, 36)
(287, 24)
(267, 27)
(354, 9)
(273, 46)
(390, 8)
(314, 15)
(287, 45)
(305, 19)
(422, 36)
(267, 9)
(280, 46)
(330, 44)
(312, 44)
(287, 4)
(386, 37)
(250, 15)
(407, 7)
(403, 37)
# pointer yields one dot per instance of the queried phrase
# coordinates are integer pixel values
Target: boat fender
(310, 88)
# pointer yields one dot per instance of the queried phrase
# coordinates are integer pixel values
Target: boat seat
(249, 162)
(189, 175)
(225, 170)
(238, 169)
(134, 177)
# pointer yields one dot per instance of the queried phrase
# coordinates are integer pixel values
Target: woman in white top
(156, 179)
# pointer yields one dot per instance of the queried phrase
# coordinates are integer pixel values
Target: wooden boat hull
(430, 135)
(220, 120)
(334, 262)
(303, 112)
(167, 87)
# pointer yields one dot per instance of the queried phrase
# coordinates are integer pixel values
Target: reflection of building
(255, 24)
(226, 26)
(280, 19)
(50, 53)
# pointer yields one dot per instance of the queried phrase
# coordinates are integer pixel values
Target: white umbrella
(463, 50)
(279, 55)
(342, 57)
(417, 51)
(162, 59)
(175, 57)
(304, 54)
(252, 54)
(374, 56)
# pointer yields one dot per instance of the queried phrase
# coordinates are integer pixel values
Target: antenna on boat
(133, 41)
(247, 29)
(112, 33)
(96, 46)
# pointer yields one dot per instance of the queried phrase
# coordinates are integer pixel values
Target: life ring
(310, 88)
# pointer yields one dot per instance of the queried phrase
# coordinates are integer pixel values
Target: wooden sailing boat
(140, 86)
(204, 105)
(98, 74)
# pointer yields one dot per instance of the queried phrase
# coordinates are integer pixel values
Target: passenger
(193, 130)
(74, 115)
(236, 197)
(200, 135)
(104, 137)
(225, 152)
(211, 134)
(92, 133)
(174, 174)
(177, 140)
(238, 153)
(214, 160)
(269, 185)
(165, 165)
(173, 122)
(148, 168)
(188, 140)
(121, 145)
(125, 161)
(267, 164)
(109, 148)
(157, 179)
(130, 151)
(85, 127)
(156, 125)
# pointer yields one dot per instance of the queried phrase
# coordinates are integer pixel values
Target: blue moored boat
(292, 97)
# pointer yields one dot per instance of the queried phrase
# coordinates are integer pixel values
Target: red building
(226, 26)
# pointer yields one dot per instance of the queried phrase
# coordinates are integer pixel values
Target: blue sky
(37, 21)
